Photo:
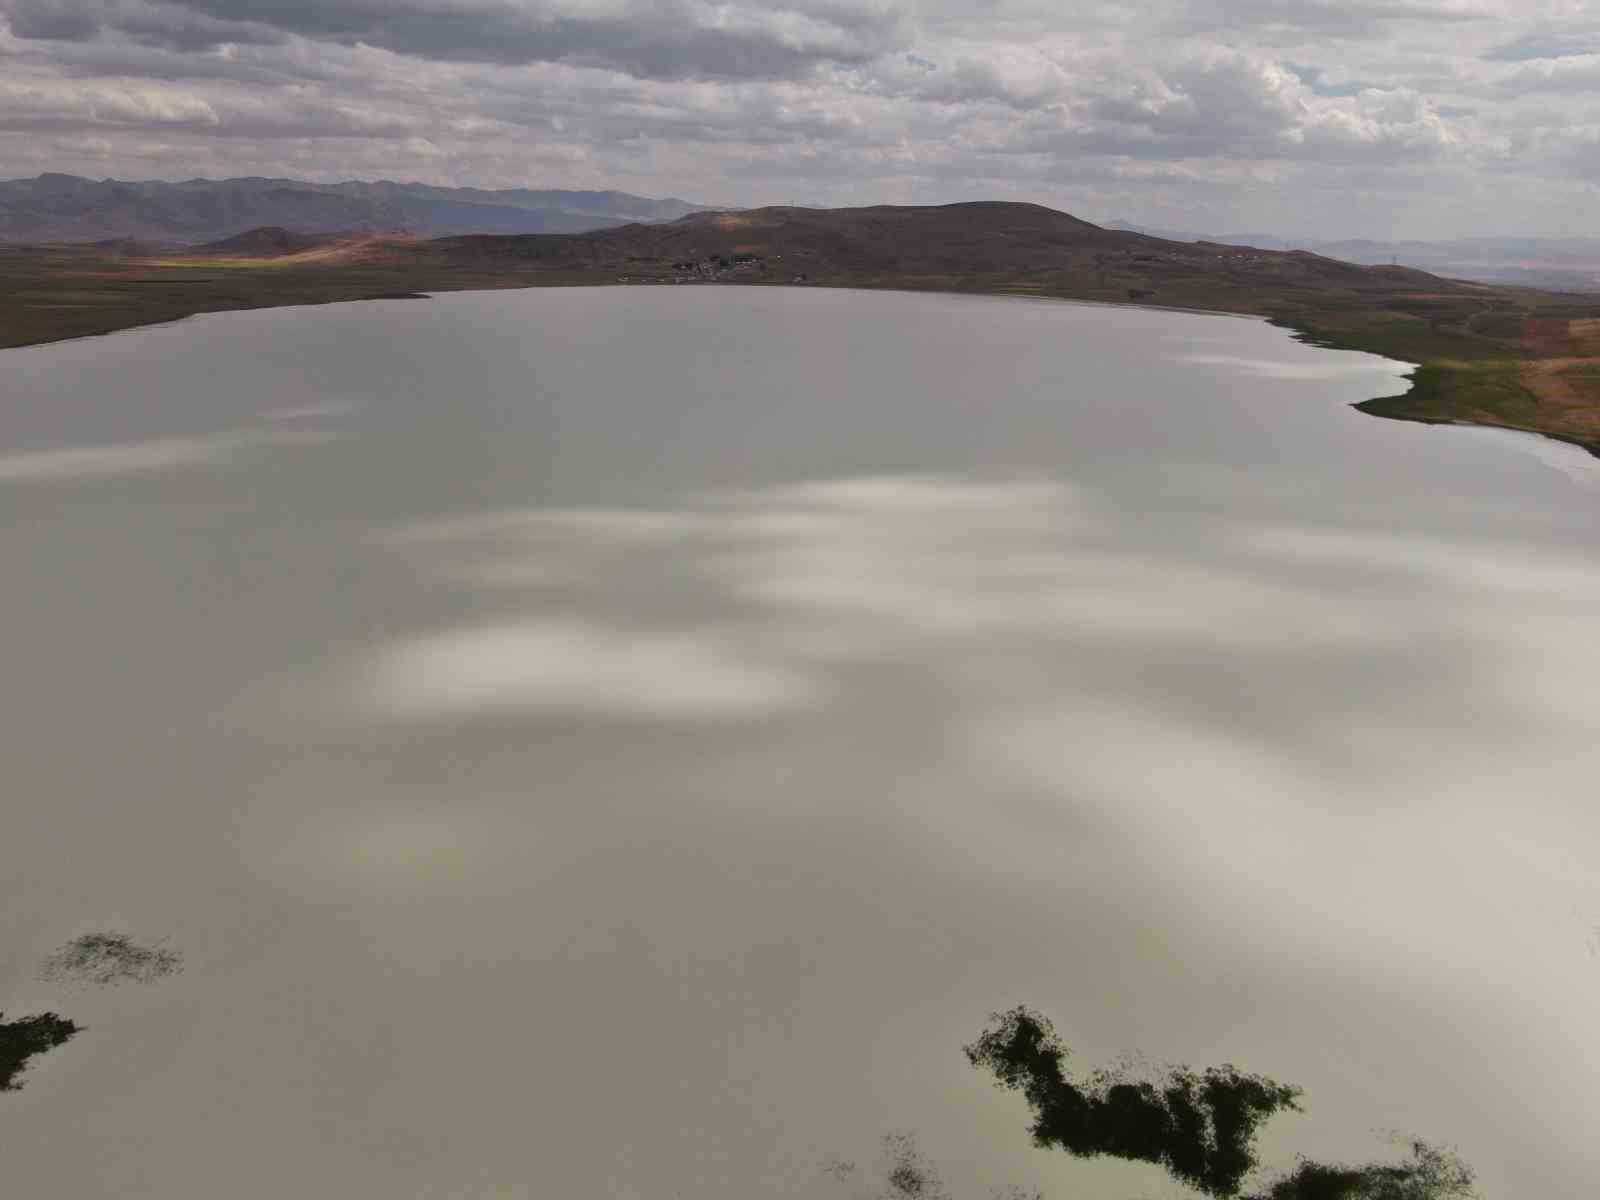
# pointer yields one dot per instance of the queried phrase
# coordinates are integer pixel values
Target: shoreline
(1439, 392)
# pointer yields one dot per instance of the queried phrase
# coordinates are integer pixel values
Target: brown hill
(952, 237)
(987, 245)
(269, 241)
(285, 250)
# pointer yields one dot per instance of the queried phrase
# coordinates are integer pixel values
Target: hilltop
(1496, 355)
(986, 245)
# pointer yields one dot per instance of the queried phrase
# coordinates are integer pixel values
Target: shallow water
(623, 742)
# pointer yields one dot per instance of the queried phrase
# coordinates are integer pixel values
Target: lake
(624, 742)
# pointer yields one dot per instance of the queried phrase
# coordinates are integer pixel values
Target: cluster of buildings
(714, 267)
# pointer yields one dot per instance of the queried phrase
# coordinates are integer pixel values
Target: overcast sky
(1378, 118)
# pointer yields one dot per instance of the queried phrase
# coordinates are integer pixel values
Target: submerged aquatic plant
(21, 1040)
(1432, 1174)
(103, 958)
(1200, 1126)
(910, 1175)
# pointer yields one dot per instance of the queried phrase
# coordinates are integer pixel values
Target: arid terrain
(1493, 355)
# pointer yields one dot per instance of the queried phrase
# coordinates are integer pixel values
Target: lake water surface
(623, 742)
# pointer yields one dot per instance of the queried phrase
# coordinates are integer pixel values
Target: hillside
(990, 246)
(66, 208)
(1494, 355)
(269, 241)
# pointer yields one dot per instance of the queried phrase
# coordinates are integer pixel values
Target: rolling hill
(982, 246)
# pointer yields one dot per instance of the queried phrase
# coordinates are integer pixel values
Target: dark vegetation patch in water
(1199, 1126)
(910, 1175)
(106, 958)
(1432, 1174)
(22, 1039)
(94, 958)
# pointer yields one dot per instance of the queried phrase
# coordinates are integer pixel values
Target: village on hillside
(716, 268)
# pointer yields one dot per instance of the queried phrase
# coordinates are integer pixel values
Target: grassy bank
(52, 294)
(1527, 369)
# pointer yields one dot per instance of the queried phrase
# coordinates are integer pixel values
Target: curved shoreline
(1491, 392)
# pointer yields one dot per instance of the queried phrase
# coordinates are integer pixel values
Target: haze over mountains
(1570, 264)
(68, 208)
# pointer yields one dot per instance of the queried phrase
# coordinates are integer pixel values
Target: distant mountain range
(1571, 264)
(67, 208)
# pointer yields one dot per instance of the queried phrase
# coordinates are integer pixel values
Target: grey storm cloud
(1329, 18)
(170, 25)
(1549, 42)
(657, 39)
(1350, 117)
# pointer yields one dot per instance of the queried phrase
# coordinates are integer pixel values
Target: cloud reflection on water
(749, 602)
(1311, 700)
(579, 668)
(1271, 368)
(149, 457)
(1326, 746)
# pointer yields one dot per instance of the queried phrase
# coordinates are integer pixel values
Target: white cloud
(1173, 112)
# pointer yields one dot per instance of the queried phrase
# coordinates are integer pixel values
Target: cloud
(36, 106)
(139, 105)
(659, 39)
(1574, 73)
(1360, 118)
(1330, 18)
(1548, 42)
(1211, 101)
(1398, 124)
(149, 22)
